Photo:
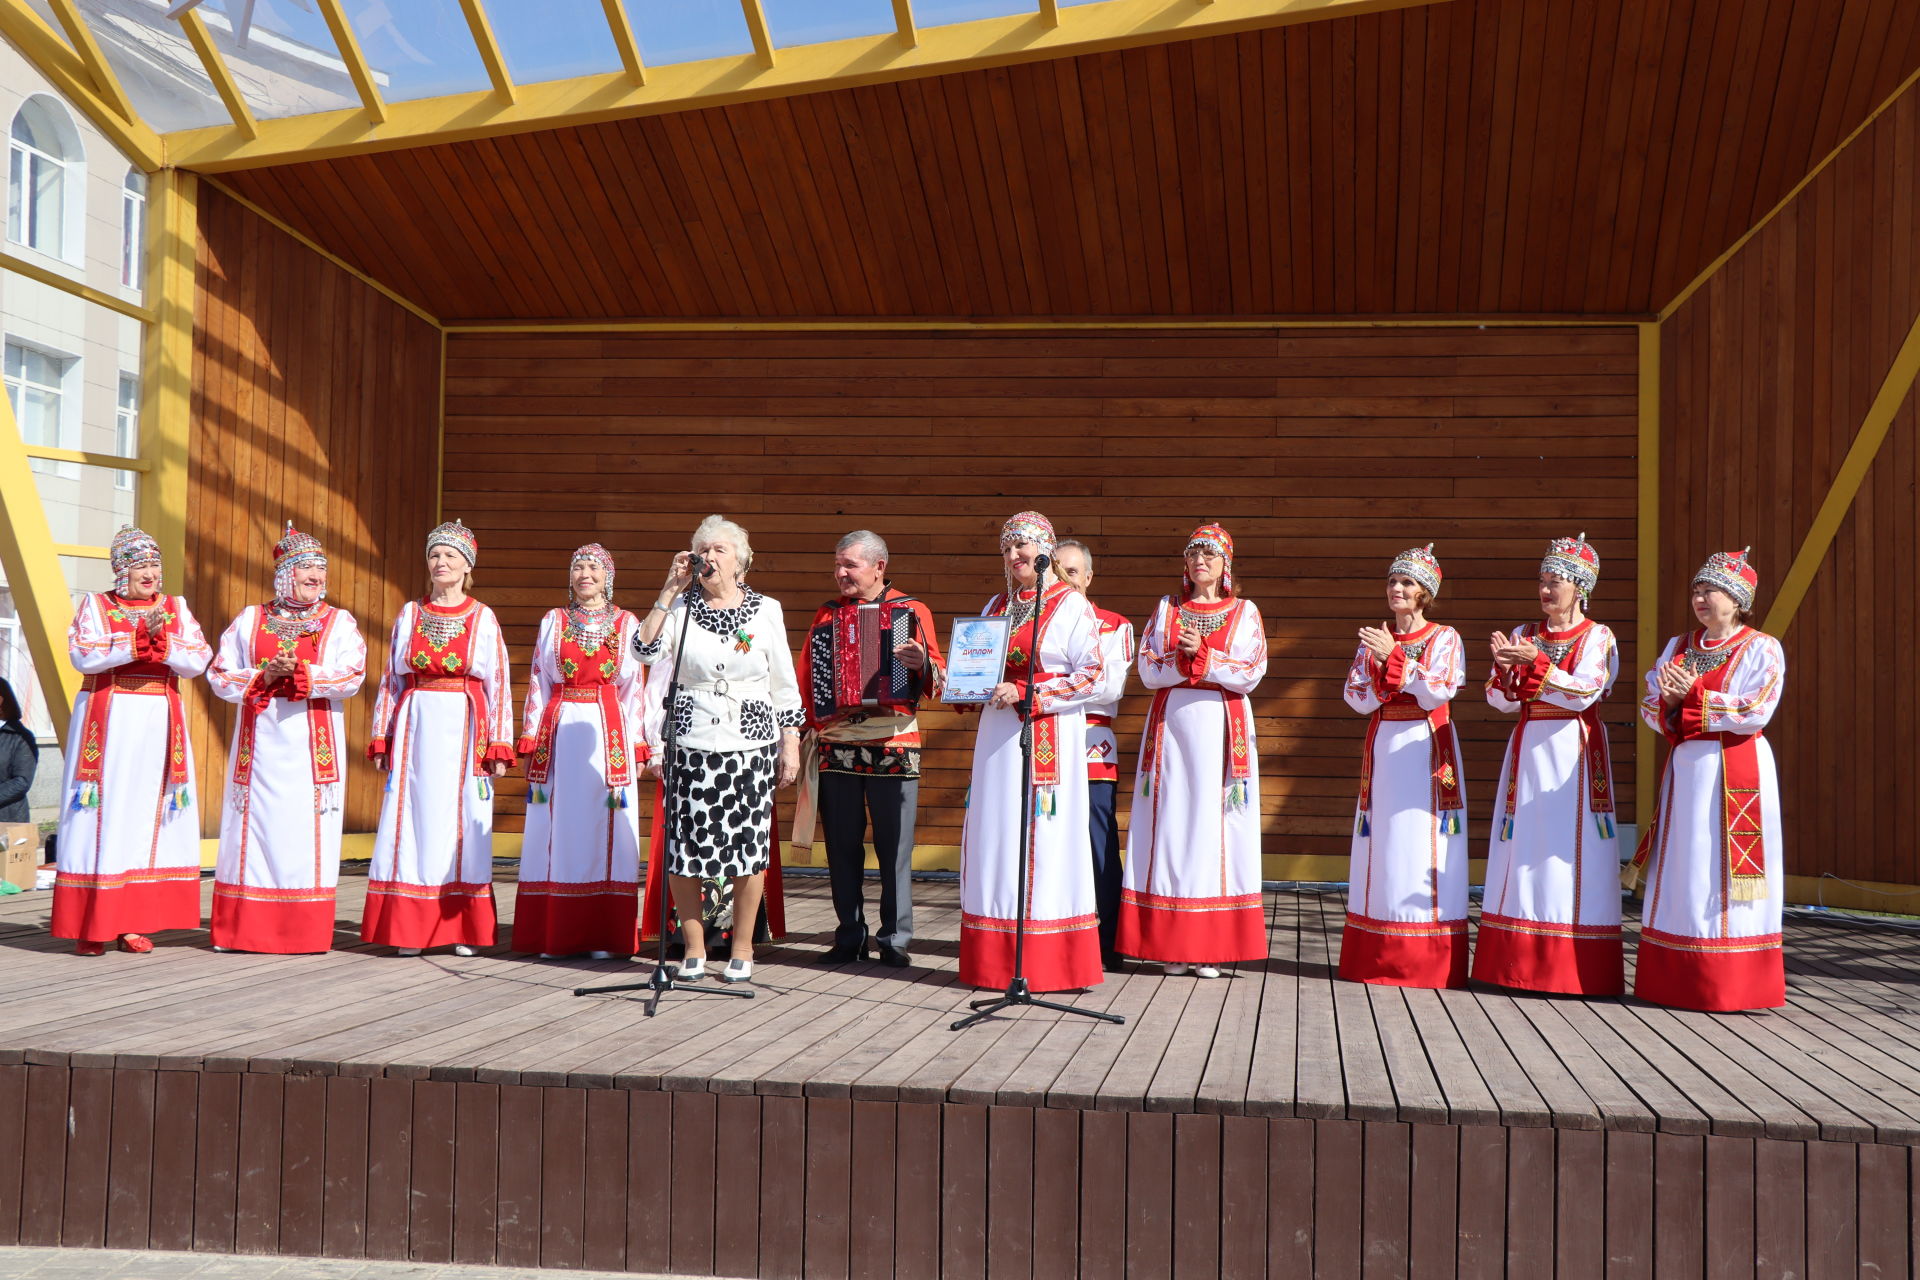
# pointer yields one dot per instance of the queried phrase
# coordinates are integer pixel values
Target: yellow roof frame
(906, 53)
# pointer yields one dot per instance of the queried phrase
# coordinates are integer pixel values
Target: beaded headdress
(459, 537)
(1729, 571)
(599, 555)
(131, 549)
(1419, 564)
(292, 551)
(1028, 526)
(1217, 540)
(1573, 560)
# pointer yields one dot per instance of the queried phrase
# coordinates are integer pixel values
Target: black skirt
(722, 821)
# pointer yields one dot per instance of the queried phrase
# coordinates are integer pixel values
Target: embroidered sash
(1444, 763)
(1596, 761)
(1046, 732)
(147, 675)
(603, 662)
(309, 648)
(1741, 831)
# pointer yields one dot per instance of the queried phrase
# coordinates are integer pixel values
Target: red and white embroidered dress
(443, 713)
(1063, 922)
(1191, 892)
(1116, 663)
(1407, 904)
(1710, 934)
(279, 863)
(1550, 917)
(580, 740)
(129, 848)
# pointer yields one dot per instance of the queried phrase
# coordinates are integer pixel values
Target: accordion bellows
(851, 655)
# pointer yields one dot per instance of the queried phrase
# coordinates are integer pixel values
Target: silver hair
(871, 544)
(1083, 548)
(718, 526)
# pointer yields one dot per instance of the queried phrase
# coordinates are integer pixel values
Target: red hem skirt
(441, 916)
(92, 914)
(565, 924)
(1534, 956)
(243, 923)
(1397, 954)
(1190, 930)
(1719, 975)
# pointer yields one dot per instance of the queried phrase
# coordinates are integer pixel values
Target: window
(126, 427)
(36, 386)
(46, 174)
(133, 229)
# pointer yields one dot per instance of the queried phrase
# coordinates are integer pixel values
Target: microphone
(1042, 563)
(698, 566)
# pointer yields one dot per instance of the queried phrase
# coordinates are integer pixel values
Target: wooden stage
(1274, 1122)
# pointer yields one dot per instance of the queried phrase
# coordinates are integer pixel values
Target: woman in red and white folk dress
(1407, 907)
(1550, 920)
(1063, 922)
(580, 738)
(291, 664)
(443, 727)
(129, 847)
(1711, 861)
(1192, 891)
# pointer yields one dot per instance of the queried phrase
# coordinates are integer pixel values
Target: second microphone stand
(1017, 992)
(659, 982)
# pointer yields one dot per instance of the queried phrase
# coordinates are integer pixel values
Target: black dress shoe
(894, 957)
(1113, 962)
(844, 955)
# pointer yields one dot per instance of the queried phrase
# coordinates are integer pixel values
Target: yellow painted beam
(622, 28)
(79, 550)
(166, 369)
(1846, 483)
(1646, 647)
(217, 71)
(348, 46)
(988, 326)
(757, 29)
(66, 284)
(490, 55)
(68, 74)
(32, 562)
(109, 460)
(1050, 12)
(903, 22)
(878, 59)
(101, 71)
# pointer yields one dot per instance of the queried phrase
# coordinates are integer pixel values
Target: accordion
(851, 657)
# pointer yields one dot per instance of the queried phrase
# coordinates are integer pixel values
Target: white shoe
(218, 947)
(599, 955)
(692, 970)
(462, 949)
(1206, 971)
(407, 951)
(549, 955)
(1175, 970)
(738, 971)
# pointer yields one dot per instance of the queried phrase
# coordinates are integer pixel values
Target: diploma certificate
(976, 659)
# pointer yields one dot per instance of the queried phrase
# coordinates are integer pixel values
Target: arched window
(133, 228)
(46, 176)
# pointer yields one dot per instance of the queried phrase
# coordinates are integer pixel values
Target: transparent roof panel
(940, 13)
(688, 30)
(281, 55)
(793, 22)
(155, 63)
(554, 39)
(417, 48)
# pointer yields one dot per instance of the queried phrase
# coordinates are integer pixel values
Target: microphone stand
(658, 983)
(1017, 992)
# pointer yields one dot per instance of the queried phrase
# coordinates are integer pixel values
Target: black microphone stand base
(1017, 993)
(659, 984)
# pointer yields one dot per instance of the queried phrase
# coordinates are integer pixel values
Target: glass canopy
(284, 61)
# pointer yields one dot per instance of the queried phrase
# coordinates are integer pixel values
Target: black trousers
(1106, 858)
(847, 802)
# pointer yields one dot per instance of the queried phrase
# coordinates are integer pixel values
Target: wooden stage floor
(1583, 1089)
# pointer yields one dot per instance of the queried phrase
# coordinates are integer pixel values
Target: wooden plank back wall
(1767, 373)
(315, 398)
(1325, 452)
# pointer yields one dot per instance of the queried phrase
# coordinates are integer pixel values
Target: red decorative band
(1548, 928)
(996, 924)
(1710, 946)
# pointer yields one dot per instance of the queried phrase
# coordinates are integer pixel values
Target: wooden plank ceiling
(1480, 156)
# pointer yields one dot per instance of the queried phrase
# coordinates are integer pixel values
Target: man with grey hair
(870, 656)
(1073, 561)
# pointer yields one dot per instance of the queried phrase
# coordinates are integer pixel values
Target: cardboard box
(21, 857)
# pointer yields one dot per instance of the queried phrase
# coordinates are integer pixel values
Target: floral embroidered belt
(131, 683)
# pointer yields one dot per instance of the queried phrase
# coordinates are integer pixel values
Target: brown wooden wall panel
(315, 399)
(1767, 373)
(1362, 1205)
(1324, 452)
(1481, 156)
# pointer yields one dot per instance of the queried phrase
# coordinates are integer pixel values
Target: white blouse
(737, 686)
